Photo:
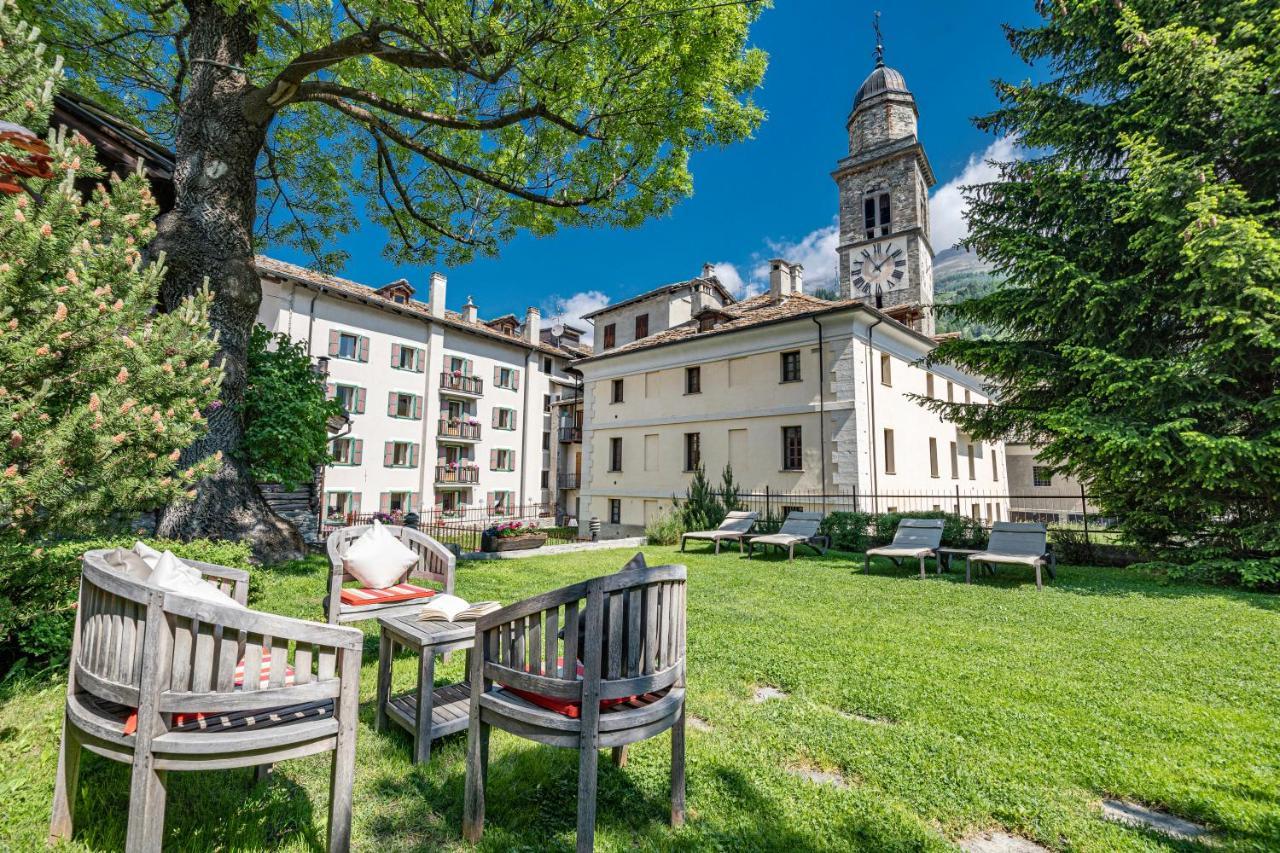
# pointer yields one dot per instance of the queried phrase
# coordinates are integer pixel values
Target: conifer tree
(1138, 336)
(98, 394)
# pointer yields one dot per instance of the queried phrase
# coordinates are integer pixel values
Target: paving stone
(999, 842)
(764, 694)
(1133, 814)
(698, 724)
(820, 777)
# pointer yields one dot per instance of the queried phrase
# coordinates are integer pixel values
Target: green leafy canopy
(453, 124)
(1137, 335)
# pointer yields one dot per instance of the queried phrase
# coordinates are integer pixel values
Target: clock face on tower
(882, 266)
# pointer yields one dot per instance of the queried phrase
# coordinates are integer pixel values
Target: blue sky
(772, 195)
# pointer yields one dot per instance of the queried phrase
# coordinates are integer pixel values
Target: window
(610, 336)
(995, 467)
(692, 450)
(615, 454)
(504, 418)
(876, 214)
(967, 398)
(791, 366)
(348, 397)
(505, 377)
(615, 511)
(933, 457)
(546, 364)
(503, 459)
(1041, 475)
(642, 326)
(339, 504)
(403, 405)
(348, 346)
(951, 391)
(792, 449)
(928, 385)
(886, 369)
(545, 481)
(955, 463)
(546, 439)
(400, 454)
(346, 451)
(546, 403)
(693, 380)
(972, 475)
(616, 391)
(976, 512)
(397, 502)
(405, 358)
(503, 503)
(889, 465)
(458, 365)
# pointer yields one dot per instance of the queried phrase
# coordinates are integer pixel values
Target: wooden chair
(597, 664)
(1018, 543)
(436, 564)
(799, 528)
(734, 527)
(154, 683)
(915, 538)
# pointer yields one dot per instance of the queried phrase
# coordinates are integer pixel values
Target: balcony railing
(571, 434)
(457, 474)
(459, 429)
(568, 481)
(462, 384)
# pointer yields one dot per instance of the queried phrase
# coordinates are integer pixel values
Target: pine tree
(701, 508)
(1138, 334)
(98, 395)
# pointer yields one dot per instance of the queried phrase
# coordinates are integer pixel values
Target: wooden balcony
(458, 430)
(461, 385)
(461, 474)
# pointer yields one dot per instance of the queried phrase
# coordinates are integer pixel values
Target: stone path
(1133, 814)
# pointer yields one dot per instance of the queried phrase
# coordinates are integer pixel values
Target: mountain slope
(959, 275)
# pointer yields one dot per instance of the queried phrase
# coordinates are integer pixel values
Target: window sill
(692, 393)
(790, 381)
(790, 470)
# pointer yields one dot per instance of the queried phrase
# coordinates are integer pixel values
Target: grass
(943, 708)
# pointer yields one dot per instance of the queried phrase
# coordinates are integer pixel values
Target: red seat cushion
(264, 682)
(363, 596)
(568, 707)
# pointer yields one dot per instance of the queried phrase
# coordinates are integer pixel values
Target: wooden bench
(628, 631)
(436, 564)
(164, 681)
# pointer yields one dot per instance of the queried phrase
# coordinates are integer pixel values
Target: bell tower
(886, 257)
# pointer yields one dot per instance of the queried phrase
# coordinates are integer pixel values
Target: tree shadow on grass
(205, 810)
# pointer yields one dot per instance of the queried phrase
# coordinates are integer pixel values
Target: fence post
(959, 509)
(1084, 513)
(767, 513)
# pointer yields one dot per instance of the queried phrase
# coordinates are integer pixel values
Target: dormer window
(877, 215)
(707, 322)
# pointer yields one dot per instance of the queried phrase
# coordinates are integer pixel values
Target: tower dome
(881, 80)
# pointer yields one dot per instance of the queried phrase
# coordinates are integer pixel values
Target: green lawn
(944, 708)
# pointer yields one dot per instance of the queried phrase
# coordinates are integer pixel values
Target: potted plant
(512, 536)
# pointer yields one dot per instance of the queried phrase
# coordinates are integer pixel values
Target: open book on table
(451, 608)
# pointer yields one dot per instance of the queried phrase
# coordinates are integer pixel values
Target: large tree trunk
(208, 236)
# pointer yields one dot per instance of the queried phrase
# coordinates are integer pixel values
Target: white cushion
(151, 556)
(377, 559)
(173, 575)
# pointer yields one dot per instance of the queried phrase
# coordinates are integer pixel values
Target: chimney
(708, 270)
(779, 279)
(532, 325)
(797, 278)
(435, 296)
(469, 311)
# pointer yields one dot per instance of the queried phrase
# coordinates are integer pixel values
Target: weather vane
(879, 40)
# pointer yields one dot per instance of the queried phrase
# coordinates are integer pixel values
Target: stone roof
(710, 281)
(756, 311)
(370, 296)
(881, 80)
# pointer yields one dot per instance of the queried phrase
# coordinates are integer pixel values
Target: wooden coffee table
(426, 712)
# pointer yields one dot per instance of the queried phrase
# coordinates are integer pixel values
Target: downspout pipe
(822, 412)
(871, 400)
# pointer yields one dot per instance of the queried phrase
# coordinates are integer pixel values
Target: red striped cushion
(264, 682)
(364, 595)
(568, 707)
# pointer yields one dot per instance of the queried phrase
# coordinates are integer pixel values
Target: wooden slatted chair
(915, 539)
(436, 564)
(597, 664)
(799, 528)
(164, 681)
(735, 525)
(1017, 543)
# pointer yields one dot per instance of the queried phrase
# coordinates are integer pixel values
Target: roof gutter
(871, 400)
(822, 412)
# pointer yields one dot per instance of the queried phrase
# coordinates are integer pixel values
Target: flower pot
(493, 544)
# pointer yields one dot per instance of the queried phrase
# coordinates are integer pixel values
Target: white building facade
(447, 413)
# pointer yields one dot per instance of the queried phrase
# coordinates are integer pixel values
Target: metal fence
(463, 527)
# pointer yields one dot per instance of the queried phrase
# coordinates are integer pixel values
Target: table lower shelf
(450, 706)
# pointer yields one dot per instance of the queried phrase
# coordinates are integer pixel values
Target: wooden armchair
(597, 664)
(163, 681)
(436, 564)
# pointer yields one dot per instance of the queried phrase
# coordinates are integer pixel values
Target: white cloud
(729, 276)
(815, 251)
(947, 206)
(571, 308)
